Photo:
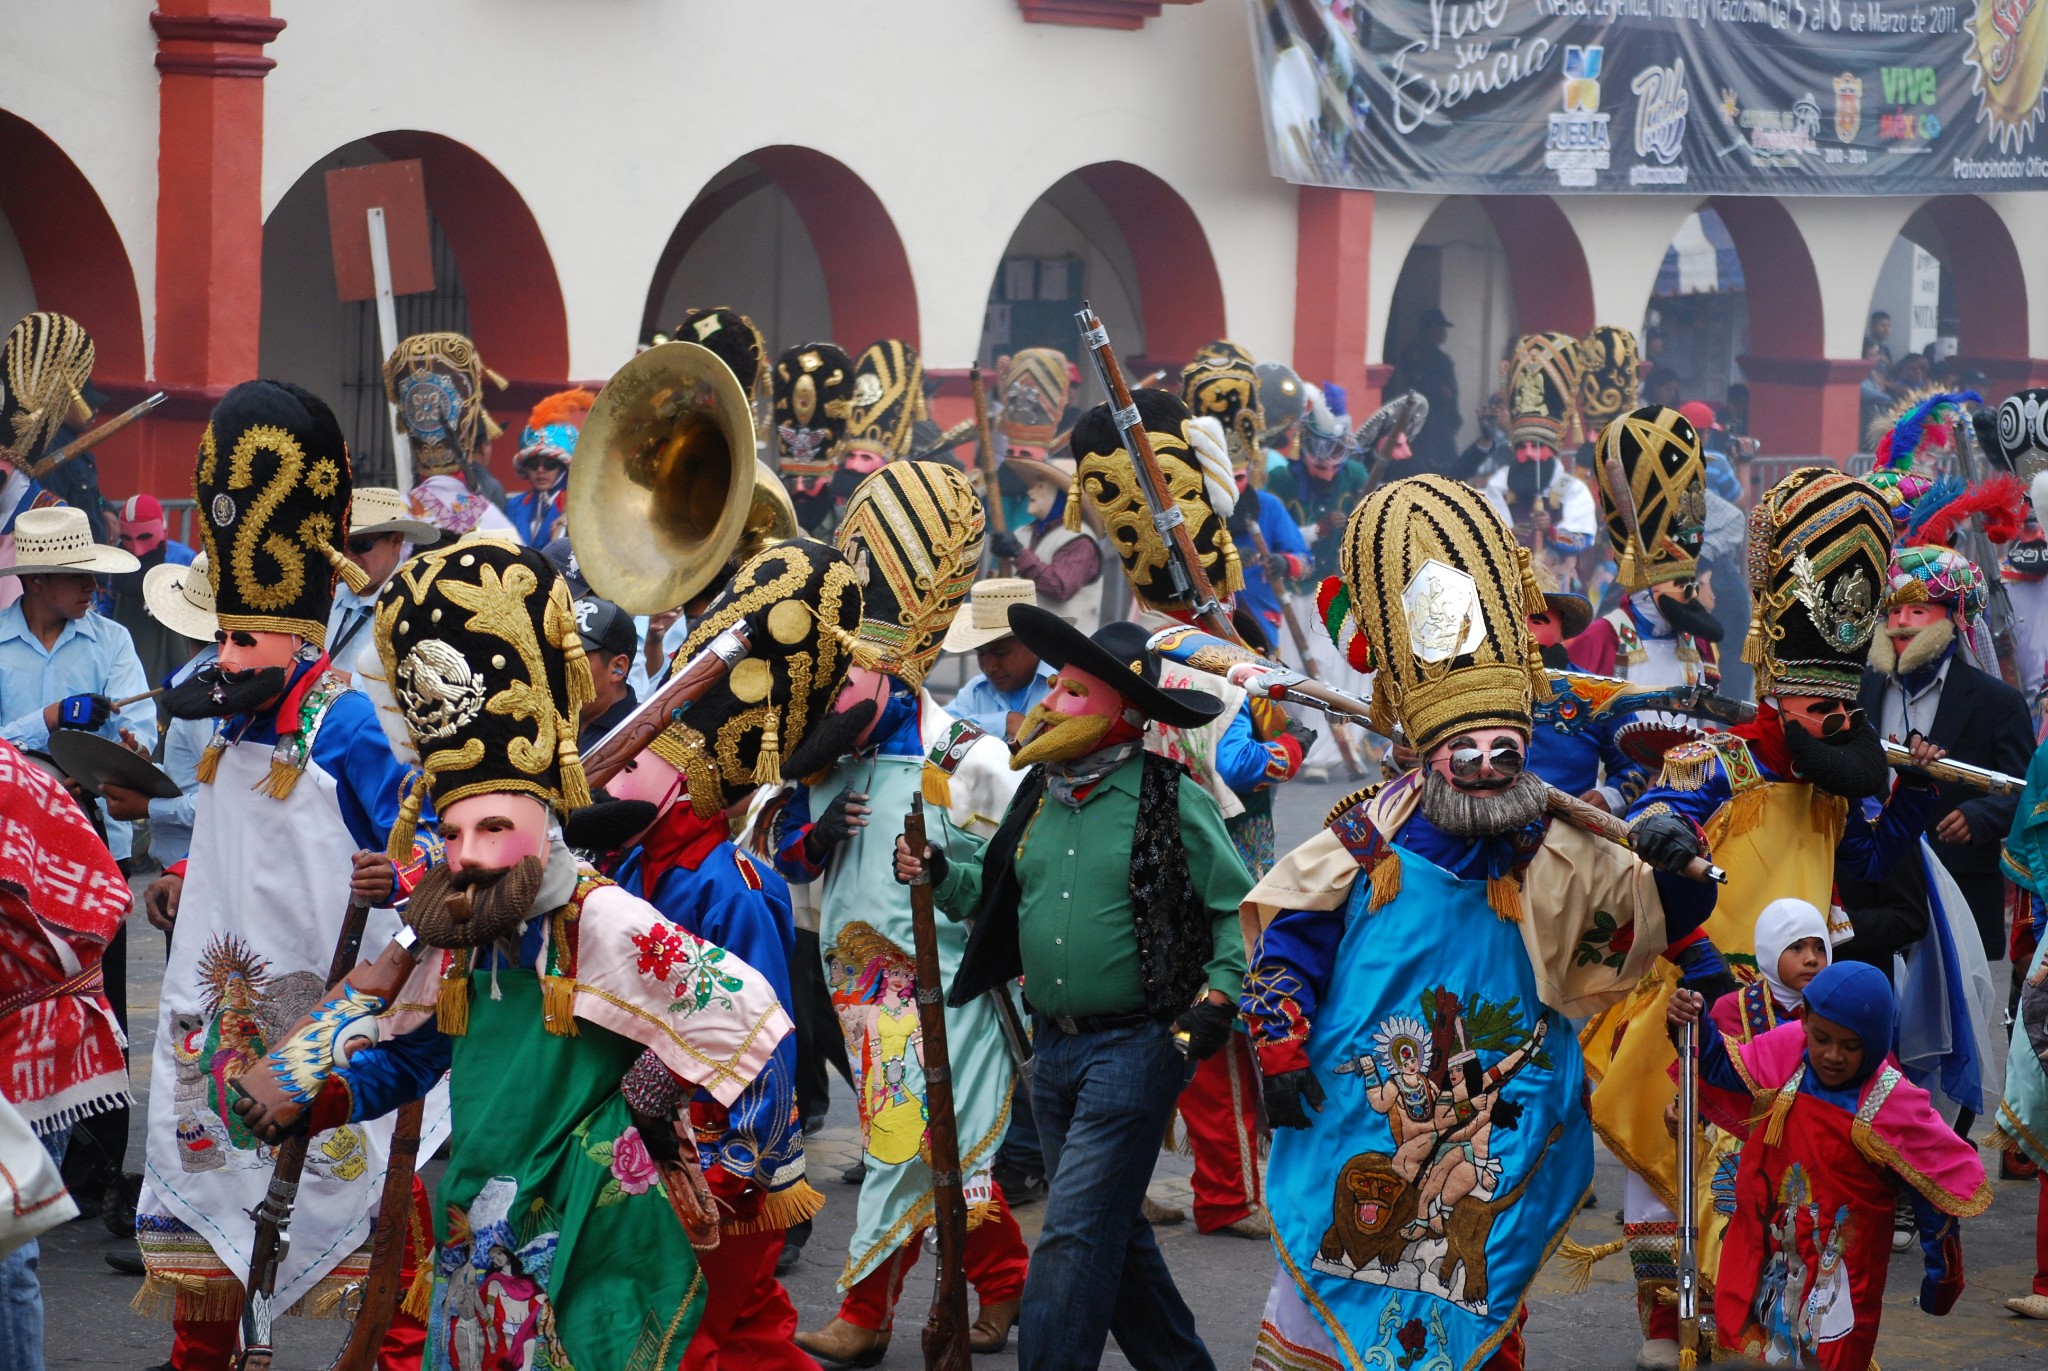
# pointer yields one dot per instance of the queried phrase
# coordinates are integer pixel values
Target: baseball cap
(606, 629)
(562, 558)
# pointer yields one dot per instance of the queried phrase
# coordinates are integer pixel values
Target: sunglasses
(1834, 718)
(1505, 758)
(362, 545)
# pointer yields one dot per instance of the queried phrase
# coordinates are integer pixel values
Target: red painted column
(1805, 406)
(1332, 288)
(209, 232)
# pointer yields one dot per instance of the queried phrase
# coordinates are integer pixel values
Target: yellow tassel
(1625, 568)
(575, 785)
(419, 1296)
(768, 766)
(1579, 1261)
(399, 846)
(1539, 675)
(451, 1001)
(1753, 644)
(495, 379)
(279, 780)
(1071, 518)
(1774, 1131)
(209, 762)
(558, 1005)
(937, 787)
(354, 576)
(1386, 881)
(1688, 1359)
(1504, 894)
(492, 429)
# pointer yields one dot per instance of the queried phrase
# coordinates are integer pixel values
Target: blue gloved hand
(86, 712)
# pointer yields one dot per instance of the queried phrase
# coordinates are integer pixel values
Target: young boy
(1802, 1269)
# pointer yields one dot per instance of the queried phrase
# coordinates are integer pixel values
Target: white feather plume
(1205, 436)
(368, 667)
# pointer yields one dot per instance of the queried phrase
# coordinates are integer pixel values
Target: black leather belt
(1093, 1023)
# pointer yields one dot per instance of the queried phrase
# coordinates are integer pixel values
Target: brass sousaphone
(665, 488)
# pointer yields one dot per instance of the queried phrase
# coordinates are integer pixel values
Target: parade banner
(1694, 97)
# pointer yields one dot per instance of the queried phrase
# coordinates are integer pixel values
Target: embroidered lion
(1373, 1203)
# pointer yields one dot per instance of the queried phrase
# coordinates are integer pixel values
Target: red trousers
(1219, 1109)
(996, 1259)
(209, 1345)
(748, 1319)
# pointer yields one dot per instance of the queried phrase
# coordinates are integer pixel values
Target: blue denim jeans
(21, 1290)
(1102, 1102)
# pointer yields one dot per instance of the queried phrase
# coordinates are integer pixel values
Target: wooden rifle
(985, 445)
(380, 1292)
(86, 441)
(946, 1329)
(1688, 1198)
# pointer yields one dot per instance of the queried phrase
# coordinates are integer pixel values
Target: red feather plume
(2001, 501)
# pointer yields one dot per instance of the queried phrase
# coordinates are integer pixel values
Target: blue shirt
(348, 625)
(533, 515)
(1283, 539)
(170, 821)
(93, 655)
(989, 709)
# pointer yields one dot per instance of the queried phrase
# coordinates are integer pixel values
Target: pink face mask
(863, 683)
(143, 538)
(1079, 714)
(245, 651)
(647, 777)
(495, 831)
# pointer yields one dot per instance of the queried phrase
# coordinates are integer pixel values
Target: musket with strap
(985, 445)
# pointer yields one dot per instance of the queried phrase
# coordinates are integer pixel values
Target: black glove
(1207, 1025)
(934, 865)
(1666, 841)
(835, 825)
(1700, 969)
(1005, 544)
(1286, 1095)
(85, 712)
(659, 1134)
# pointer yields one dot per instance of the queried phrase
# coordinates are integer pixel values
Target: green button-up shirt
(1074, 917)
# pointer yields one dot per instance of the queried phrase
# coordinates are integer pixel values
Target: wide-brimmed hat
(986, 615)
(382, 509)
(1116, 655)
(57, 541)
(181, 599)
(1574, 612)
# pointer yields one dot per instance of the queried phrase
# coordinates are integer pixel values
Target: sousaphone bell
(666, 488)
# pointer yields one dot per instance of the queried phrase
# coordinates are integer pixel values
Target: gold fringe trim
(1580, 1260)
(558, 1005)
(1742, 814)
(451, 1001)
(1386, 881)
(780, 1210)
(1504, 894)
(357, 579)
(419, 1296)
(209, 762)
(1774, 1130)
(937, 787)
(279, 781)
(1689, 772)
(187, 1298)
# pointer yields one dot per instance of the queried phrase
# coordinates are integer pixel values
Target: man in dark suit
(1923, 679)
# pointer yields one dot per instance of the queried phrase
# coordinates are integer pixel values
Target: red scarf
(678, 838)
(1765, 735)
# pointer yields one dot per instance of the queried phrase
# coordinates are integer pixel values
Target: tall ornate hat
(801, 603)
(732, 338)
(553, 427)
(2017, 433)
(273, 487)
(1226, 389)
(1610, 379)
(44, 367)
(813, 401)
(914, 533)
(1941, 576)
(436, 380)
(888, 398)
(1543, 390)
(1109, 480)
(1820, 551)
(1035, 385)
(1222, 350)
(1440, 592)
(1283, 399)
(1405, 413)
(1651, 459)
(479, 648)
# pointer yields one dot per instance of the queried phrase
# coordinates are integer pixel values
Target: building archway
(494, 280)
(1954, 280)
(798, 242)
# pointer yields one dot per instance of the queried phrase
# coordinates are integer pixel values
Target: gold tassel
(1579, 1261)
(1386, 880)
(1625, 567)
(1071, 518)
(558, 1005)
(768, 766)
(279, 780)
(1753, 644)
(451, 1001)
(575, 785)
(495, 379)
(419, 1296)
(1504, 894)
(492, 429)
(354, 576)
(399, 846)
(937, 787)
(1774, 1131)
(209, 762)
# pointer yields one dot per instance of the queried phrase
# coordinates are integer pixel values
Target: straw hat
(181, 599)
(986, 615)
(382, 509)
(57, 541)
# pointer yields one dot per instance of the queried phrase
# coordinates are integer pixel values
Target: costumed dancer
(2023, 1113)
(1652, 488)
(299, 792)
(884, 409)
(1232, 753)
(571, 1018)
(1413, 967)
(1573, 743)
(46, 367)
(914, 530)
(2018, 434)
(1111, 888)
(1283, 404)
(1842, 1135)
(803, 604)
(1541, 497)
(736, 341)
(1782, 802)
(381, 535)
(436, 383)
(812, 390)
(546, 447)
(1610, 385)
(1055, 548)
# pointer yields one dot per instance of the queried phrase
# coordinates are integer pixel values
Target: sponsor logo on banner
(1578, 144)
(1848, 107)
(1661, 107)
(2008, 59)
(1908, 85)
(1776, 137)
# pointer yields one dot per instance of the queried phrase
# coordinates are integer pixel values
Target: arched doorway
(493, 280)
(798, 242)
(1697, 324)
(1952, 290)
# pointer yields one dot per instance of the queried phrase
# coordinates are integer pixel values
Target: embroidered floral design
(693, 970)
(1606, 943)
(626, 1157)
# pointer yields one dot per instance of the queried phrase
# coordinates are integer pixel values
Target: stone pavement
(1224, 1279)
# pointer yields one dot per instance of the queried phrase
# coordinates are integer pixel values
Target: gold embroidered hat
(732, 338)
(44, 367)
(1610, 379)
(273, 487)
(1226, 389)
(1439, 590)
(1820, 551)
(436, 381)
(1222, 350)
(1543, 391)
(801, 603)
(478, 643)
(887, 400)
(813, 385)
(1035, 385)
(1109, 479)
(913, 532)
(1651, 459)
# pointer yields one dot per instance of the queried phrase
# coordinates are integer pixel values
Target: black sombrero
(1117, 655)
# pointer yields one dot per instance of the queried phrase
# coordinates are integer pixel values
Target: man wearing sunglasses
(381, 535)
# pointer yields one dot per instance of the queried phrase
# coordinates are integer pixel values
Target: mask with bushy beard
(1851, 764)
(474, 907)
(1903, 651)
(832, 737)
(210, 693)
(1690, 616)
(1046, 736)
(1484, 811)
